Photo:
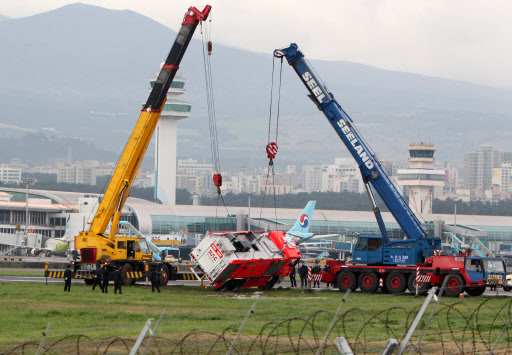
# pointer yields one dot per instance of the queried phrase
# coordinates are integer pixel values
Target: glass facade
(413, 153)
(199, 225)
(178, 107)
(176, 84)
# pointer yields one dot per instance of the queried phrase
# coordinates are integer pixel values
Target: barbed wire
(455, 328)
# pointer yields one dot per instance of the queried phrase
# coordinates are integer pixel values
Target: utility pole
(27, 182)
(249, 212)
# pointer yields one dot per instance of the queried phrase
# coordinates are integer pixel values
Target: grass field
(27, 308)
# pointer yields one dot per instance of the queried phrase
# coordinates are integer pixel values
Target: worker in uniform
(292, 276)
(118, 279)
(105, 277)
(155, 280)
(303, 273)
(98, 273)
(327, 270)
(68, 275)
(316, 271)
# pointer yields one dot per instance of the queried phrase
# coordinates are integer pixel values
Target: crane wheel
(475, 291)
(127, 280)
(396, 283)
(164, 278)
(368, 282)
(422, 287)
(454, 285)
(346, 280)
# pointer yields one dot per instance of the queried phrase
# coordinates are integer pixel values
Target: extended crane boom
(370, 168)
(120, 183)
(132, 252)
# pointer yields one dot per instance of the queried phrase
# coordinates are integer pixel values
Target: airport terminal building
(50, 211)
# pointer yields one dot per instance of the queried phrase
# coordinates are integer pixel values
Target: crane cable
(272, 146)
(214, 145)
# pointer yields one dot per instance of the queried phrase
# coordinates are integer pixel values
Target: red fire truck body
(231, 260)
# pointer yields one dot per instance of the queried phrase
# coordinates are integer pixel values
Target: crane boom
(120, 184)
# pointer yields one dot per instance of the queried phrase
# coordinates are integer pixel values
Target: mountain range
(78, 75)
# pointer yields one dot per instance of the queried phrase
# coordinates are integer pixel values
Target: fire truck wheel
(475, 291)
(347, 280)
(507, 288)
(127, 280)
(454, 285)
(238, 283)
(422, 287)
(164, 277)
(226, 286)
(368, 282)
(395, 282)
(89, 282)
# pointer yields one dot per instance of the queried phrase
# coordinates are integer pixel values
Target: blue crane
(369, 249)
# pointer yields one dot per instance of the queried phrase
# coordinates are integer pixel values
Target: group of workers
(303, 273)
(102, 278)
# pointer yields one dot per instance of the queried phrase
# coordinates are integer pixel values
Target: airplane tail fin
(300, 230)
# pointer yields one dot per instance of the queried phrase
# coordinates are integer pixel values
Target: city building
(78, 173)
(311, 177)
(421, 177)
(10, 174)
(166, 137)
(478, 169)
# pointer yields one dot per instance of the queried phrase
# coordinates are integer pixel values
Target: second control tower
(421, 177)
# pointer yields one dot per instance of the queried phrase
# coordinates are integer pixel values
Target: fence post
(414, 324)
(45, 334)
(333, 322)
(241, 328)
(445, 281)
(141, 337)
(390, 347)
(152, 333)
(343, 346)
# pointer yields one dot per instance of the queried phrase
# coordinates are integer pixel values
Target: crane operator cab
(132, 248)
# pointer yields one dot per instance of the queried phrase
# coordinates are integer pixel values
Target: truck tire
(127, 280)
(507, 288)
(454, 285)
(346, 280)
(226, 286)
(475, 291)
(396, 283)
(422, 287)
(368, 282)
(164, 278)
(89, 282)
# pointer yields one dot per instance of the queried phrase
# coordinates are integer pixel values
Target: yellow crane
(132, 252)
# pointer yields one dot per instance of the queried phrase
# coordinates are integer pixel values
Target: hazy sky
(466, 40)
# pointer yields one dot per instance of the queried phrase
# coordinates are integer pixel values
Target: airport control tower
(166, 133)
(421, 177)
